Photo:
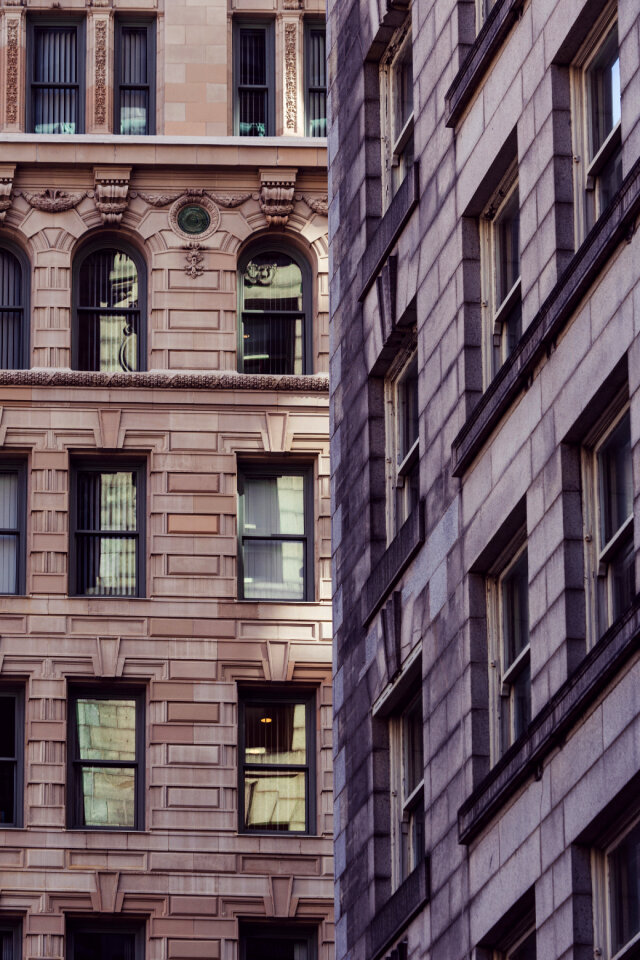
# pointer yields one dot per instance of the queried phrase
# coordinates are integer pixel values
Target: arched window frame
(275, 245)
(95, 246)
(25, 291)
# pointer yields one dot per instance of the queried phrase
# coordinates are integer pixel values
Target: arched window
(109, 303)
(13, 313)
(275, 312)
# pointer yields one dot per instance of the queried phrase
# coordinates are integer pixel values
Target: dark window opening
(56, 68)
(13, 311)
(11, 758)
(135, 78)
(254, 80)
(316, 79)
(105, 940)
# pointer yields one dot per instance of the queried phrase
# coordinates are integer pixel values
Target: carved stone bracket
(7, 171)
(53, 200)
(111, 192)
(319, 205)
(277, 195)
(193, 267)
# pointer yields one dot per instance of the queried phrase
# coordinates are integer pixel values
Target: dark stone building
(485, 285)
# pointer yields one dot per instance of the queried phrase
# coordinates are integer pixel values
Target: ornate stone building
(165, 630)
(485, 453)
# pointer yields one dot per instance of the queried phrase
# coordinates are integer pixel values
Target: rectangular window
(403, 455)
(135, 77)
(277, 762)
(407, 789)
(523, 949)
(509, 667)
(501, 294)
(396, 100)
(107, 938)
(11, 756)
(608, 517)
(254, 79)
(10, 939)
(278, 942)
(56, 76)
(315, 78)
(107, 536)
(13, 523)
(616, 902)
(597, 112)
(106, 753)
(275, 524)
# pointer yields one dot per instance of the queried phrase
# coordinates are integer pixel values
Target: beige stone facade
(188, 876)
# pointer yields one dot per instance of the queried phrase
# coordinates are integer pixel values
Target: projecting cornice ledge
(539, 339)
(401, 907)
(316, 383)
(502, 17)
(548, 729)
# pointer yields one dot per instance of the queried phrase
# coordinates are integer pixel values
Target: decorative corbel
(7, 171)
(277, 195)
(111, 193)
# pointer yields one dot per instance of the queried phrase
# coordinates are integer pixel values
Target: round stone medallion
(194, 218)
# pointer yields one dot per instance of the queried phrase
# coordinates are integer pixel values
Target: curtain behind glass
(55, 80)
(317, 79)
(9, 534)
(134, 89)
(274, 567)
(106, 561)
(11, 312)
(108, 312)
(272, 315)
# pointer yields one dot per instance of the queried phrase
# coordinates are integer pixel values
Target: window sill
(164, 379)
(389, 228)
(401, 907)
(393, 562)
(499, 22)
(566, 708)
(616, 224)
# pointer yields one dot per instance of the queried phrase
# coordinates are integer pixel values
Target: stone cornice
(161, 380)
(614, 226)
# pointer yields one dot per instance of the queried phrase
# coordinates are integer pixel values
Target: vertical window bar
(108, 314)
(11, 312)
(316, 83)
(54, 85)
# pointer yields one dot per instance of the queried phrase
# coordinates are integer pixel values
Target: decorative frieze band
(312, 383)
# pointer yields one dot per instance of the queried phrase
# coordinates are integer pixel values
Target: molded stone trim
(390, 920)
(393, 562)
(614, 226)
(502, 17)
(567, 707)
(313, 383)
(389, 229)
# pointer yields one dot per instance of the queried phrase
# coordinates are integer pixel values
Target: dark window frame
(149, 23)
(17, 694)
(25, 306)
(19, 465)
(286, 694)
(101, 925)
(274, 245)
(296, 468)
(312, 23)
(13, 927)
(118, 691)
(95, 246)
(107, 463)
(277, 930)
(33, 22)
(268, 27)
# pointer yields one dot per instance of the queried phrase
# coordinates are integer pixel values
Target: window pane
(603, 86)
(7, 791)
(106, 566)
(7, 727)
(133, 58)
(274, 800)
(100, 945)
(108, 337)
(413, 747)
(402, 89)
(623, 580)
(9, 541)
(624, 879)
(272, 344)
(274, 505)
(8, 563)
(515, 610)
(107, 501)
(507, 243)
(317, 81)
(407, 409)
(273, 570)
(610, 179)
(614, 466)
(253, 113)
(108, 796)
(253, 57)
(262, 947)
(134, 109)
(272, 282)
(521, 694)
(526, 950)
(55, 109)
(10, 319)
(106, 729)
(275, 733)
(8, 501)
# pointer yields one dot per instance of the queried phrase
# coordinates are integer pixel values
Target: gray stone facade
(531, 734)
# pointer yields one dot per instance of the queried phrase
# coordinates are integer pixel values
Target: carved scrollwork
(193, 267)
(7, 171)
(319, 205)
(291, 73)
(111, 194)
(100, 82)
(53, 200)
(163, 199)
(156, 200)
(11, 79)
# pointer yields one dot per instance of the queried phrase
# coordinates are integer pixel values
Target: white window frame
(393, 142)
(588, 204)
(398, 467)
(404, 806)
(598, 555)
(501, 678)
(601, 889)
(495, 313)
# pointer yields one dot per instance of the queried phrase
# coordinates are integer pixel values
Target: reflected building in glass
(165, 596)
